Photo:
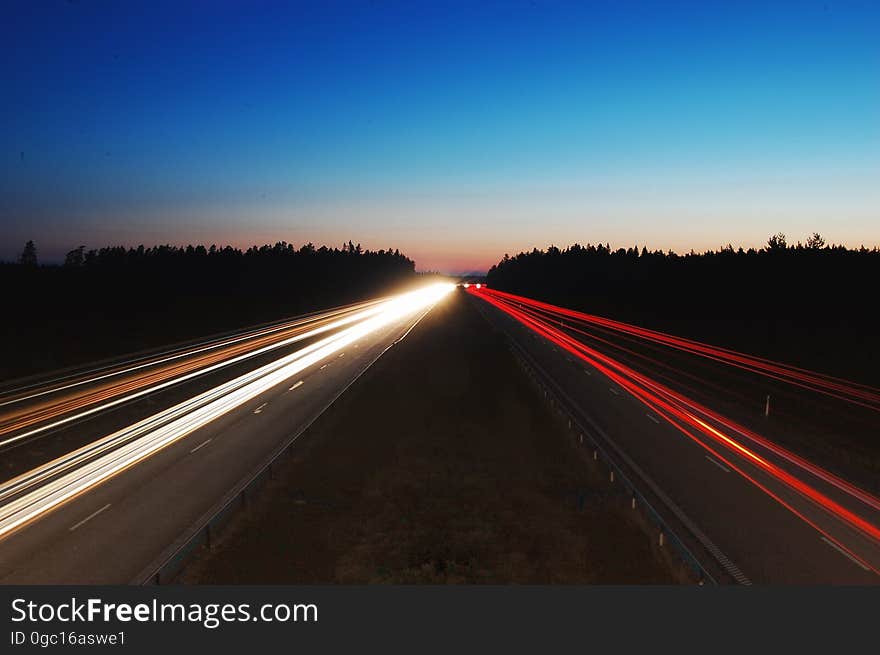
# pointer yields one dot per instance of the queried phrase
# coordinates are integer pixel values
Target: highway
(755, 511)
(110, 466)
(34, 409)
(105, 468)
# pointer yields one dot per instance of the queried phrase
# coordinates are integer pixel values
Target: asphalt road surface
(102, 513)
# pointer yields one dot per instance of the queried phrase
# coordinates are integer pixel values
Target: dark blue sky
(453, 132)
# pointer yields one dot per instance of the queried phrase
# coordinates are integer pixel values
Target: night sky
(453, 132)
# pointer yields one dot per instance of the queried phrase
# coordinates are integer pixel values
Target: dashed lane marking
(201, 445)
(89, 517)
(718, 464)
(844, 553)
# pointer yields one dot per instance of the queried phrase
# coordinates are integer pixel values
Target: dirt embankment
(439, 465)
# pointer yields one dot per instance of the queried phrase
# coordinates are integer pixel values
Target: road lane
(766, 541)
(29, 412)
(156, 500)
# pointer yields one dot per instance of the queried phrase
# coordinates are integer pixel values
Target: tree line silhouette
(810, 303)
(114, 300)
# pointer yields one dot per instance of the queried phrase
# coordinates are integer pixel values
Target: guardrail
(670, 521)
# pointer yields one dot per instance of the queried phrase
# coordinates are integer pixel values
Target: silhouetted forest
(116, 300)
(811, 304)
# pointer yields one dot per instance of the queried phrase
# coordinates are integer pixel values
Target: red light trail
(728, 441)
(853, 392)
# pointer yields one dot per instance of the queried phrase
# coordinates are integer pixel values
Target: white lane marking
(844, 553)
(342, 354)
(260, 408)
(298, 384)
(89, 517)
(587, 372)
(718, 464)
(324, 366)
(653, 418)
(614, 391)
(201, 445)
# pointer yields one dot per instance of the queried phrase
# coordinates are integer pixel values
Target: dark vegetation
(813, 305)
(460, 475)
(116, 300)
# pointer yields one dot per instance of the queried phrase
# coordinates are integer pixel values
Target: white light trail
(192, 350)
(151, 435)
(202, 371)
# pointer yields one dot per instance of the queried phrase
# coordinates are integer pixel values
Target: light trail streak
(684, 413)
(849, 391)
(826, 476)
(683, 400)
(166, 378)
(45, 488)
(122, 368)
(141, 427)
